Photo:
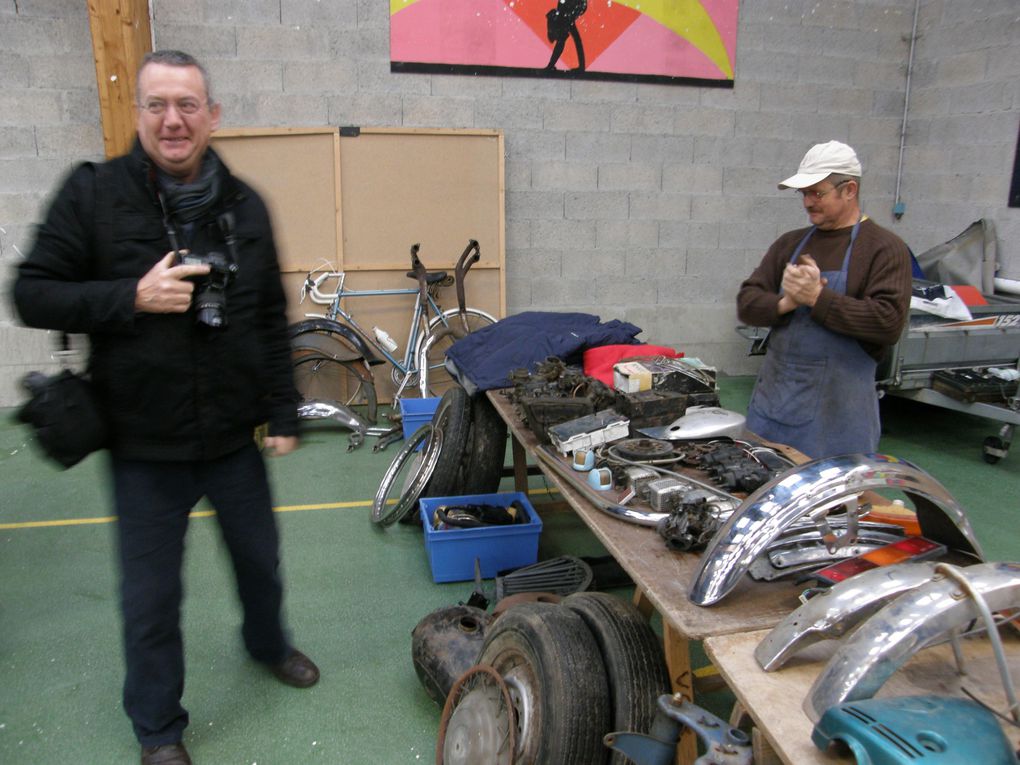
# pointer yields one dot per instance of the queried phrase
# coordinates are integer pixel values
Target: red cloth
(598, 361)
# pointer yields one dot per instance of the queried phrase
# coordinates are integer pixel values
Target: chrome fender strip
(816, 488)
(834, 612)
(912, 621)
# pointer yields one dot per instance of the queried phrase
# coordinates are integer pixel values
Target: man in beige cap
(836, 296)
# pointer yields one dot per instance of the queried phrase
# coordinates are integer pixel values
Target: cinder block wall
(647, 203)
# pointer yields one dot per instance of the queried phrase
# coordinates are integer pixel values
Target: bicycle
(333, 355)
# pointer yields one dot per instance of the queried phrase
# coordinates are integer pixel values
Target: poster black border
(1014, 188)
(411, 67)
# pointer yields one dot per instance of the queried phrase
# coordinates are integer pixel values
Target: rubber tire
(632, 653)
(345, 381)
(486, 453)
(453, 417)
(555, 653)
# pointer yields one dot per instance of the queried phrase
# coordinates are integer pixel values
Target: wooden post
(121, 36)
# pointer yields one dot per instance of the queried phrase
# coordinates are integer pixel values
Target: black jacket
(173, 389)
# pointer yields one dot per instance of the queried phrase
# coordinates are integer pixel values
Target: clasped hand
(165, 288)
(803, 281)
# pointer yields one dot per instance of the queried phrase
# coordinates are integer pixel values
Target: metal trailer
(991, 339)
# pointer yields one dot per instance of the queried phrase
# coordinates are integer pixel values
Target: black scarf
(188, 201)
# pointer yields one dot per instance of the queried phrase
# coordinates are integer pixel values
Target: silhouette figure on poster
(561, 23)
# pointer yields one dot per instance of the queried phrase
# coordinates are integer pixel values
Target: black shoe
(296, 670)
(167, 754)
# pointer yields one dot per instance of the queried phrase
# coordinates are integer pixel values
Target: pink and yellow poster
(665, 41)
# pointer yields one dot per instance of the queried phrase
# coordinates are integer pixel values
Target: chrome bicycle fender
(834, 612)
(816, 488)
(912, 621)
(307, 335)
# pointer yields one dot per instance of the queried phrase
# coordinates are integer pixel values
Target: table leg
(678, 661)
(520, 459)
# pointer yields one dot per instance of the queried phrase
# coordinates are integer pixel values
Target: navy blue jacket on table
(485, 358)
(173, 389)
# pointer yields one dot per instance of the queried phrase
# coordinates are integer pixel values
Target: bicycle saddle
(430, 278)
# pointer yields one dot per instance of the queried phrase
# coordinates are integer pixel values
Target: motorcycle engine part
(478, 721)
(445, 644)
(665, 494)
(600, 479)
(723, 744)
(700, 422)
(911, 729)
(912, 621)
(589, 431)
(834, 612)
(642, 449)
(583, 460)
(561, 576)
(813, 490)
(409, 472)
(691, 525)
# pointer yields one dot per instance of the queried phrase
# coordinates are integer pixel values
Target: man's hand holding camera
(166, 287)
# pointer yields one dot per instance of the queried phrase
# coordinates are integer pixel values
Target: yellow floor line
(202, 514)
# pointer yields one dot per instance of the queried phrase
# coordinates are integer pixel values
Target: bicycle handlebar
(311, 287)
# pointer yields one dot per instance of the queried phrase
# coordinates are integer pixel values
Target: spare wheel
(553, 669)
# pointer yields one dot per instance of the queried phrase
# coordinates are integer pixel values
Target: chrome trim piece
(834, 612)
(814, 490)
(909, 623)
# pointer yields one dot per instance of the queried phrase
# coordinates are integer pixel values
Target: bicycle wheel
(329, 370)
(436, 380)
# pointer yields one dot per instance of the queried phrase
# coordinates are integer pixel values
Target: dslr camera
(210, 299)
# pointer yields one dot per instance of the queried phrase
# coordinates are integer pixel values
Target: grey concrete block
(282, 109)
(705, 209)
(319, 77)
(242, 12)
(745, 94)
(244, 78)
(15, 69)
(22, 107)
(717, 151)
(565, 294)
(24, 206)
(962, 69)
(692, 179)
(582, 91)
(623, 292)
(518, 236)
(466, 86)
(565, 176)
(645, 119)
(982, 98)
(81, 106)
(75, 70)
(766, 125)
(663, 149)
(662, 206)
(580, 264)
(374, 77)
(536, 145)
(509, 114)
(669, 95)
(630, 176)
(63, 141)
(203, 42)
(535, 204)
(518, 175)
(366, 109)
(577, 117)
(597, 205)
(655, 263)
(365, 42)
(681, 235)
(518, 295)
(698, 122)
(626, 234)
(48, 9)
(176, 11)
(332, 13)
(598, 147)
(286, 43)
(420, 111)
(538, 264)
(563, 234)
(40, 36)
(537, 89)
(30, 175)
(17, 143)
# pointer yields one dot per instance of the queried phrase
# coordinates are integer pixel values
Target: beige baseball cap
(821, 161)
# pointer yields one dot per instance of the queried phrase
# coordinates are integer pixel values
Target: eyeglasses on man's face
(157, 106)
(816, 194)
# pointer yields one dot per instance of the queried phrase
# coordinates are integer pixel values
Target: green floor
(354, 594)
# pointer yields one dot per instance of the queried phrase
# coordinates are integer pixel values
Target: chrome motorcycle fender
(909, 623)
(834, 612)
(815, 489)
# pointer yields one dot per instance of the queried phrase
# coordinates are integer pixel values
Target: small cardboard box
(452, 552)
(682, 375)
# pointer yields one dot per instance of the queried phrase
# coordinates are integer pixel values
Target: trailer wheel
(552, 666)
(631, 652)
(994, 449)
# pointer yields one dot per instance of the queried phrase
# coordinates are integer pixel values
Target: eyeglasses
(158, 107)
(815, 195)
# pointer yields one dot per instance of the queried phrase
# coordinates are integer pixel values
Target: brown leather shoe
(296, 670)
(167, 754)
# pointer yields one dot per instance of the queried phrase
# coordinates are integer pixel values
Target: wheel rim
(411, 471)
(478, 721)
(438, 379)
(318, 378)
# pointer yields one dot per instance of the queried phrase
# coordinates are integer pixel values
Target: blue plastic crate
(415, 412)
(452, 552)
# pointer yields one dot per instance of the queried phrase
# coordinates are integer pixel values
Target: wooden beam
(121, 36)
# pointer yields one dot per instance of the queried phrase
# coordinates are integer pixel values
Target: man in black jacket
(167, 261)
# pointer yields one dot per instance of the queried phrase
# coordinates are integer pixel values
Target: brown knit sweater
(877, 298)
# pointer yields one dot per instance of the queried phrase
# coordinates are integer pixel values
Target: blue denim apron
(816, 388)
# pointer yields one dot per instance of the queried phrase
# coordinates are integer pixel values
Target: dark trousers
(153, 500)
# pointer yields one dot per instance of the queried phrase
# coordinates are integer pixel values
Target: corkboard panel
(297, 173)
(437, 188)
